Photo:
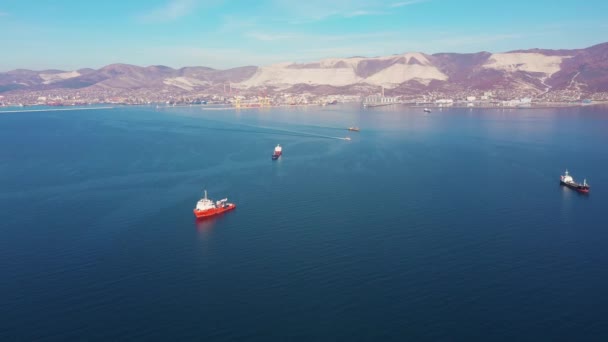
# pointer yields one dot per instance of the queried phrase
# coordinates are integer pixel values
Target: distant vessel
(206, 207)
(278, 151)
(347, 138)
(568, 181)
(354, 129)
(426, 110)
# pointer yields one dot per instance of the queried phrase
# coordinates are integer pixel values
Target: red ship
(278, 151)
(568, 181)
(206, 207)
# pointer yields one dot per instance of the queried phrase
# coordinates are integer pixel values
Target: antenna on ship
(205, 193)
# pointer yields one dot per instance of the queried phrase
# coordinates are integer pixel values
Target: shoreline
(487, 106)
(53, 109)
(222, 107)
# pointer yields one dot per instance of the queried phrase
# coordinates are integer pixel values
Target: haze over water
(447, 226)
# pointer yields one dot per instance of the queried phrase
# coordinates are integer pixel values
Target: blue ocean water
(449, 226)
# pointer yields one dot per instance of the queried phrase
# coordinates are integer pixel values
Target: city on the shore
(504, 98)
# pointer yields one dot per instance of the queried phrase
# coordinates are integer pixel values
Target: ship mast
(205, 193)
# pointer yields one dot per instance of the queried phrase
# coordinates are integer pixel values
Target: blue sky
(71, 34)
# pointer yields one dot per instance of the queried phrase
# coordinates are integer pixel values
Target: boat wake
(299, 133)
(274, 130)
(324, 127)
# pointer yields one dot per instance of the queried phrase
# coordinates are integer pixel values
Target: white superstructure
(566, 178)
(205, 203)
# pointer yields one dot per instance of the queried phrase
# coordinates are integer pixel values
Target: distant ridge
(533, 70)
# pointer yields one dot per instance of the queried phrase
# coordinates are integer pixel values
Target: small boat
(347, 138)
(568, 181)
(426, 110)
(278, 151)
(354, 129)
(206, 207)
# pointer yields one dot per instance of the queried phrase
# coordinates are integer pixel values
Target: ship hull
(212, 212)
(575, 186)
(276, 156)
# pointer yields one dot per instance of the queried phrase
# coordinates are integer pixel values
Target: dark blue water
(445, 227)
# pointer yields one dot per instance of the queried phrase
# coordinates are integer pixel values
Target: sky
(73, 34)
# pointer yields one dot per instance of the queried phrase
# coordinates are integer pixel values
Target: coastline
(221, 107)
(545, 105)
(52, 109)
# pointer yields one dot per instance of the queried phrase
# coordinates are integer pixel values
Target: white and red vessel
(206, 207)
(278, 151)
(568, 181)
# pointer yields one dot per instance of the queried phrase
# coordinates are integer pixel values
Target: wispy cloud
(269, 37)
(358, 36)
(311, 38)
(334, 15)
(312, 11)
(477, 39)
(406, 3)
(360, 13)
(172, 10)
(3, 14)
(231, 23)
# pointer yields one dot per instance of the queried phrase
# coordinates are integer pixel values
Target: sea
(441, 226)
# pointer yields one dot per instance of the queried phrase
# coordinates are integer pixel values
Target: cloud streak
(333, 15)
(269, 37)
(231, 24)
(172, 10)
(477, 39)
(406, 3)
(306, 38)
(360, 13)
(312, 11)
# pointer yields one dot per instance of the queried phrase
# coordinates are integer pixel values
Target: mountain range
(535, 70)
